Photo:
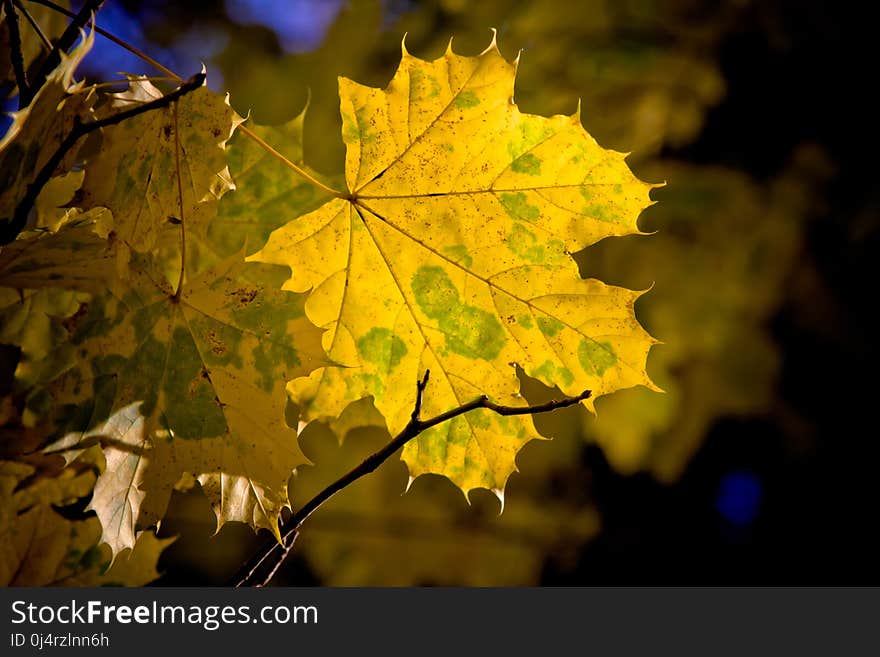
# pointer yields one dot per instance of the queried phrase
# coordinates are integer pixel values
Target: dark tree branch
(63, 44)
(10, 228)
(273, 554)
(15, 54)
(34, 24)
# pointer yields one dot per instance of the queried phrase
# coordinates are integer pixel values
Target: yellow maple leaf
(450, 252)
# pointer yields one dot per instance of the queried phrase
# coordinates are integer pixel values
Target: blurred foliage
(719, 263)
(652, 62)
(43, 545)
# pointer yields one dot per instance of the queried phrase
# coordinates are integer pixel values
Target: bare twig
(15, 54)
(63, 44)
(272, 554)
(34, 24)
(10, 228)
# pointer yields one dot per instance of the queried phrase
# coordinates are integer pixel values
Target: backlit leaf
(451, 253)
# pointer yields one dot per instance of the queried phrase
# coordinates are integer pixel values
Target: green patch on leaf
(470, 331)
(599, 211)
(357, 128)
(516, 205)
(191, 405)
(423, 84)
(459, 253)
(465, 100)
(480, 418)
(359, 382)
(552, 374)
(523, 243)
(434, 292)
(549, 326)
(382, 347)
(473, 332)
(528, 164)
(596, 357)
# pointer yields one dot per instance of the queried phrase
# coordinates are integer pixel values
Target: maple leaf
(451, 253)
(194, 383)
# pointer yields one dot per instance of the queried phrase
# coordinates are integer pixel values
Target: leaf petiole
(180, 203)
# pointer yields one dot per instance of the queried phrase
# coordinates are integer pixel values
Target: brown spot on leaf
(218, 348)
(244, 295)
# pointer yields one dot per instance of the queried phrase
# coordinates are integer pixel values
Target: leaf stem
(34, 24)
(126, 82)
(302, 172)
(272, 554)
(15, 53)
(10, 228)
(180, 204)
(247, 131)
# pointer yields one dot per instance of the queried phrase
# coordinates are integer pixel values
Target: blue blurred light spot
(299, 24)
(9, 105)
(739, 497)
(106, 59)
(185, 56)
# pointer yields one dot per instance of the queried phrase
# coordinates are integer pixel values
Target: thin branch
(63, 44)
(15, 54)
(34, 24)
(108, 35)
(124, 83)
(271, 555)
(247, 131)
(10, 228)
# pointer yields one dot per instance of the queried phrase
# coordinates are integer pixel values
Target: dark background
(784, 494)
